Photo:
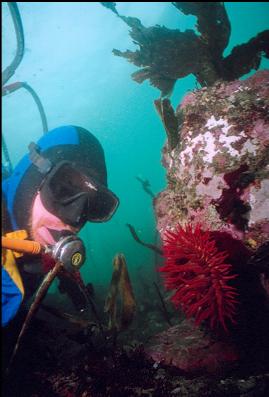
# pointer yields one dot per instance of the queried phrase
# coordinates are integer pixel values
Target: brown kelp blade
(40, 295)
(120, 287)
(111, 300)
(127, 295)
(136, 238)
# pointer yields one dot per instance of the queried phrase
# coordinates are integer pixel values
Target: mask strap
(44, 165)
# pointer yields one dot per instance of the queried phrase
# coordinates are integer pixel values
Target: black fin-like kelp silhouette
(166, 55)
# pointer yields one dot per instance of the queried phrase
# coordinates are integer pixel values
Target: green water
(69, 62)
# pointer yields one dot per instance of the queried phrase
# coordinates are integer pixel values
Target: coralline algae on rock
(218, 174)
(184, 346)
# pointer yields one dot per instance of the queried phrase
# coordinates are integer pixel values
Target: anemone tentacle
(199, 274)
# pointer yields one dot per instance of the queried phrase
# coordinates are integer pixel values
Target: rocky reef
(53, 365)
(218, 173)
(218, 179)
(213, 216)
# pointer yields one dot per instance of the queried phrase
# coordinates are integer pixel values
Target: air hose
(24, 246)
(9, 72)
(69, 250)
(8, 89)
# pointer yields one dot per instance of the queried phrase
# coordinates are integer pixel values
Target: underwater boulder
(192, 350)
(218, 171)
(217, 167)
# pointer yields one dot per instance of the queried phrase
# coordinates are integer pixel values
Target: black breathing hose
(10, 70)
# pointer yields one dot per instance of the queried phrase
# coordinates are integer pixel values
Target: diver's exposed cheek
(45, 227)
(43, 236)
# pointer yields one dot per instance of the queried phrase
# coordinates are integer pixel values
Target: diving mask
(75, 197)
(70, 193)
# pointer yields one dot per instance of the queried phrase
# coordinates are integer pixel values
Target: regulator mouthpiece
(69, 250)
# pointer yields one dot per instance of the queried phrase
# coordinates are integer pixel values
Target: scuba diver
(52, 192)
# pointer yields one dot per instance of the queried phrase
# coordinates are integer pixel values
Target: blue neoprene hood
(66, 135)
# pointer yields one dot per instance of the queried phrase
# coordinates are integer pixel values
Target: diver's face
(44, 226)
